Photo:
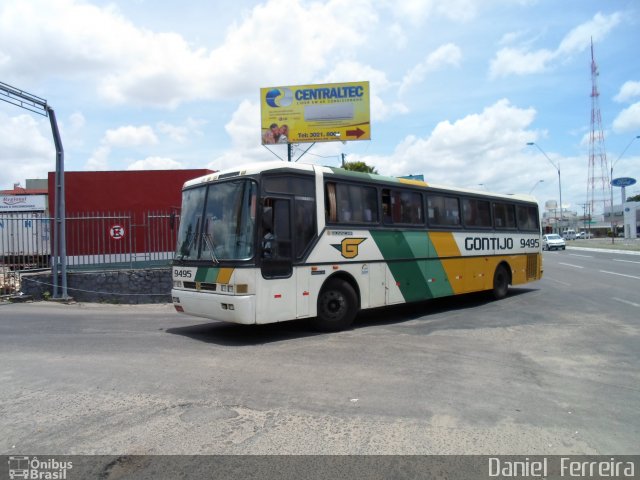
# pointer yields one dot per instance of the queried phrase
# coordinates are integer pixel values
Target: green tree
(635, 198)
(359, 167)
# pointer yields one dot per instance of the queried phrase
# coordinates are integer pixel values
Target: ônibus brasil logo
(279, 97)
(33, 468)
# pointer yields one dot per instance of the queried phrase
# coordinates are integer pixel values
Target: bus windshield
(218, 222)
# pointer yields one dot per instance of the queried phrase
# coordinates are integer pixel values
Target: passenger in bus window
(268, 238)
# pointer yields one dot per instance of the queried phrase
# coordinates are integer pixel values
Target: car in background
(553, 241)
(582, 235)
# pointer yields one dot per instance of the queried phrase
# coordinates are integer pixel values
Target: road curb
(605, 250)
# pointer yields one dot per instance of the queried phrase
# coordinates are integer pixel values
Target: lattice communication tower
(598, 176)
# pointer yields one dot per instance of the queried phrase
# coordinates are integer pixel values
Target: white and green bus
(278, 241)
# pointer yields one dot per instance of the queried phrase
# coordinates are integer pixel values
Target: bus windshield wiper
(208, 240)
(186, 247)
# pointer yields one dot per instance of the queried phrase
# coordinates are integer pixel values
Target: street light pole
(611, 185)
(535, 185)
(557, 167)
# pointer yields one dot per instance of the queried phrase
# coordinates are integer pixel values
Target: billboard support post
(39, 105)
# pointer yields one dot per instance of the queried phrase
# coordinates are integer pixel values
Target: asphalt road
(551, 369)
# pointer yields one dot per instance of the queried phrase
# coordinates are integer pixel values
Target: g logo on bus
(348, 248)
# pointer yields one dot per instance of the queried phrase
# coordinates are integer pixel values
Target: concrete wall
(116, 286)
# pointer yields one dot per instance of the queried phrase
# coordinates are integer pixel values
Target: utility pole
(584, 215)
(343, 155)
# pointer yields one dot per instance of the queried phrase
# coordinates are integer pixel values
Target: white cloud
(77, 121)
(579, 39)
(244, 131)
(176, 133)
(155, 163)
(475, 149)
(398, 36)
(511, 37)
(517, 61)
(379, 84)
(244, 126)
(628, 119)
(448, 55)
(99, 160)
(192, 127)
(130, 136)
(73, 131)
(522, 61)
(122, 137)
(628, 91)
(445, 55)
(27, 148)
(417, 11)
(133, 65)
(64, 37)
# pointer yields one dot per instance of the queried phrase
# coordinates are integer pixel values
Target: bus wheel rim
(334, 304)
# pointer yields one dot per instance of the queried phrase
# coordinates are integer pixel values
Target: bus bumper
(226, 308)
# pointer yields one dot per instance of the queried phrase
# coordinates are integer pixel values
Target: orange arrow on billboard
(355, 133)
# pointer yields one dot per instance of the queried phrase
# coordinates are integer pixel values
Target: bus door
(277, 292)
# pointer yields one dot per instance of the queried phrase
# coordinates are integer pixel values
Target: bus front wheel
(337, 306)
(500, 282)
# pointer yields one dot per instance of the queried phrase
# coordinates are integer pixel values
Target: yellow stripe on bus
(409, 181)
(224, 275)
(445, 244)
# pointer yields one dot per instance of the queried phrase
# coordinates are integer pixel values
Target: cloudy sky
(458, 87)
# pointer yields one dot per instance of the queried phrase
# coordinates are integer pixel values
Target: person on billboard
(270, 136)
(283, 134)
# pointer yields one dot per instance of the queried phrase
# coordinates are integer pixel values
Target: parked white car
(553, 241)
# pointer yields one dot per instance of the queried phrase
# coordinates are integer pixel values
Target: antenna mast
(598, 176)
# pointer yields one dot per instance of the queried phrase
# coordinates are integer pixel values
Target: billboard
(315, 113)
(23, 203)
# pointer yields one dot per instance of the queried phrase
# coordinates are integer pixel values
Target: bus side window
(527, 217)
(386, 205)
(443, 211)
(330, 208)
(477, 213)
(504, 215)
(356, 203)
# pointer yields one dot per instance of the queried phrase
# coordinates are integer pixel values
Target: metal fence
(95, 240)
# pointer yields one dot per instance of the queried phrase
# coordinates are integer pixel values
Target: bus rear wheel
(500, 282)
(337, 306)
